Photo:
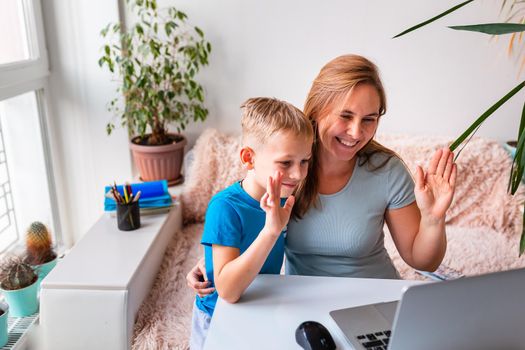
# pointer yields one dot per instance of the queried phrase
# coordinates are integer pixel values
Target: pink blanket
(483, 225)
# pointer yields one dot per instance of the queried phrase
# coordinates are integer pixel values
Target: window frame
(23, 76)
(31, 75)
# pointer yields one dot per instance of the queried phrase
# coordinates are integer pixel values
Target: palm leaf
(485, 115)
(433, 18)
(516, 171)
(492, 28)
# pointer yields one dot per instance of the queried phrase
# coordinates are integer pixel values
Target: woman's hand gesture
(435, 189)
(276, 216)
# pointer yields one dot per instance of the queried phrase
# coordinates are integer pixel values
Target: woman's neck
(331, 166)
(334, 173)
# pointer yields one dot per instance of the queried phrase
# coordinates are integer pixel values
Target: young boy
(245, 223)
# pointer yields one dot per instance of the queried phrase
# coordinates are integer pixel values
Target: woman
(355, 185)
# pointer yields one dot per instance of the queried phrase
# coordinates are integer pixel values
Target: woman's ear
(247, 158)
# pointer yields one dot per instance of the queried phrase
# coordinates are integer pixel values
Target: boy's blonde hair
(264, 116)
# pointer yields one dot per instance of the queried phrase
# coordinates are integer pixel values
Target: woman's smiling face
(350, 122)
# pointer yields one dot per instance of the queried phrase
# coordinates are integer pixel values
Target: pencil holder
(128, 216)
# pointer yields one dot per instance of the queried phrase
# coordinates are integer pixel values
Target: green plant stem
(518, 164)
(433, 18)
(485, 115)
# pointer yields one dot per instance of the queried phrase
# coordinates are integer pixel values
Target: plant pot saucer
(174, 182)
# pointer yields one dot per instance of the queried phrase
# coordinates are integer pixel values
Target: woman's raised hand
(435, 189)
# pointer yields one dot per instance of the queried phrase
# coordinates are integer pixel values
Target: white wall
(438, 80)
(85, 157)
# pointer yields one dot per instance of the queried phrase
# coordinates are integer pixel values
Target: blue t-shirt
(234, 219)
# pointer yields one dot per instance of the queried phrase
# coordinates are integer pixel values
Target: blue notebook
(154, 194)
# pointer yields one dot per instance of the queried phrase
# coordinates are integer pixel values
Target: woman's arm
(418, 230)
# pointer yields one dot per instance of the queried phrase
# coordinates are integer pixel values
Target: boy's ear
(247, 157)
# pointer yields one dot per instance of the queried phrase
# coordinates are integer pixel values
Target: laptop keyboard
(375, 341)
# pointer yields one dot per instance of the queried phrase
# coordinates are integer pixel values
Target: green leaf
(104, 31)
(181, 15)
(517, 168)
(107, 50)
(485, 115)
(433, 18)
(169, 27)
(130, 69)
(200, 32)
(109, 128)
(493, 28)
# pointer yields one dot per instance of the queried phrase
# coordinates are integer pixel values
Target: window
(27, 190)
(15, 46)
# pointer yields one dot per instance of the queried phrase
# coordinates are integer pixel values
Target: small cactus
(16, 274)
(38, 244)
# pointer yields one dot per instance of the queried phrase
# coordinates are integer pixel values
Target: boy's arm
(233, 272)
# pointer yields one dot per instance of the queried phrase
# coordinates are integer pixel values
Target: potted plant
(18, 283)
(156, 61)
(39, 250)
(517, 170)
(4, 313)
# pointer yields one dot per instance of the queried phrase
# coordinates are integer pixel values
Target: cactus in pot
(39, 246)
(16, 274)
(39, 249)
(18, 282)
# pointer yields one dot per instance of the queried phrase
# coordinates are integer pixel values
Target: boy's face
(285, 152)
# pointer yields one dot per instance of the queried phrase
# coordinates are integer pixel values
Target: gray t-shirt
(344, 235)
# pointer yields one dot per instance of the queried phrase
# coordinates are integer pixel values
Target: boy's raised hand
(276, 216)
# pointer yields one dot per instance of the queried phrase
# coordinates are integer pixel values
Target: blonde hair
(264, 116)
(336, 79)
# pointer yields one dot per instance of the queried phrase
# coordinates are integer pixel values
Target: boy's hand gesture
(276, 216)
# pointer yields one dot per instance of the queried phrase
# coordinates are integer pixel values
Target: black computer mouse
(311, 335)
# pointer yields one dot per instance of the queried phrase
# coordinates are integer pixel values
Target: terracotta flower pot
(159, 162)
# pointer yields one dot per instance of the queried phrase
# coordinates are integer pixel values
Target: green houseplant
(155, 62)
(518, 164)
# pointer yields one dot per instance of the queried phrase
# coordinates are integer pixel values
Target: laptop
(480, 312)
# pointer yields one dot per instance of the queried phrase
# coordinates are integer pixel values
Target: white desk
(89, 301)
(273, 306)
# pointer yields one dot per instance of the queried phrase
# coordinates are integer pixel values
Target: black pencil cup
(128, 216)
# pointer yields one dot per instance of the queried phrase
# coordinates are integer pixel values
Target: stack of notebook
(154, 197)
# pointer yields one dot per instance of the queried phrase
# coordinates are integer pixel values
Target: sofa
(483, 224)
